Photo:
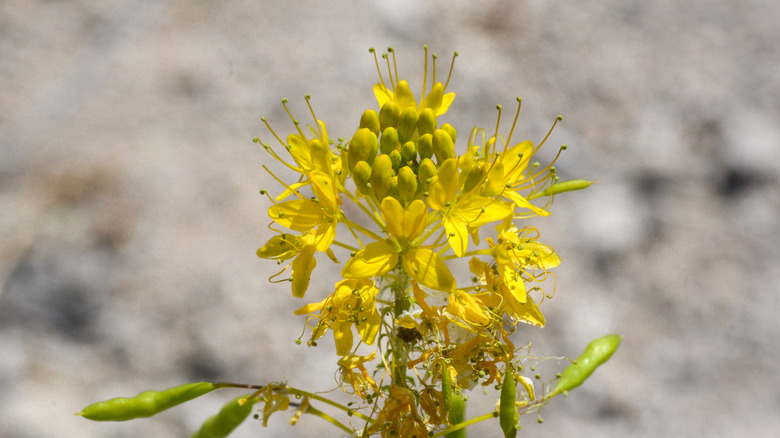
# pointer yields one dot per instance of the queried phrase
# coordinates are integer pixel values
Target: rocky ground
(130, 212)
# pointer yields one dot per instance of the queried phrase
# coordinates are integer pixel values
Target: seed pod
(507, 412)
(426, 122)
(561, 187)
(388, 115)
(446, 386)
(227, 419)
(408, 152)
(597, 352)
(381, 173)
(145, 404)
(425, 146)
(361, 174)
(362, 147)
(457, 415)
(389, 140)
(407, 123)
(450, 130)
(443, 146)
(370, 120)
(407, 185)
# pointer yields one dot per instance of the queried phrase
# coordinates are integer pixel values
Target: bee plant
(438, 270)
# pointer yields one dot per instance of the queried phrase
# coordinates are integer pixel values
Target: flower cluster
(407, 211)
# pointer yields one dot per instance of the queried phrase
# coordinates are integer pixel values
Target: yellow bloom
(359, 380)
(404, 225)
(351, 304)
(511, 299)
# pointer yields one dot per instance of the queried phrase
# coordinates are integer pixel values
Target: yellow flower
(399, 417)
(458, 215)
(353, 303)
(404, 225)
(512, 300)
(359, 380)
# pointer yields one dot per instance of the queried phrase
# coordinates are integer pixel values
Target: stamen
(295, 122)
(425, 71)
(498, 122)
(452, 66)
(316, 122)
(395, 67)
(389, 71)
(517, 114)
(434, 56)
(376, 62)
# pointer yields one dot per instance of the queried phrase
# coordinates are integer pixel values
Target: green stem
(468, 423)
(403, 302)
(314, 411)
(349, 411)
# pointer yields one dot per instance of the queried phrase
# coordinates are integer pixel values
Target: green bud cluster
(395, 152)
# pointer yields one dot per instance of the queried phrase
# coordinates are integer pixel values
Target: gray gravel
(130, 212)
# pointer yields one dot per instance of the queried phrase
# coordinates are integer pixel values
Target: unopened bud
(426, 122)
(407, 123)
(443, 146)
(388, 115)
(370, 120)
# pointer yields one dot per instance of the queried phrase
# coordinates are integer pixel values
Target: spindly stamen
(452, 66)
(517, 114)
(395, 67)
(425, 70)
(378, 70)
(389, 71)
(316, 122)
(294, 120)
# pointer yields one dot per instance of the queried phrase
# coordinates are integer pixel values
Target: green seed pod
(370, 120)
(407, 185)
(443, 146)
(145, 404)
(388, 115)
(426, 171)
(396, 159)
(362, 147)
(446, 386)
(227, 419)
(507, 412)
(389, 140)
(361, 174)
(408, 152)
(426, 122)
(561, 187)
(425, 146)
(381, 173)
(407, 123)
(597, 352)
(457, 416)
(450, 130)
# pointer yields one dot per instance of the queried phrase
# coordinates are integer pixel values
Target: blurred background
(130, 213)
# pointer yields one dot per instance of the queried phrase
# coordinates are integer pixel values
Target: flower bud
(426, 171)
(396, 159)
(389, 140)
(426, 122)
(443, 146)
(381, 173)
(407, 185)
(450, 130)
(408, 152)
(362, 147)
(434, 98)
(361, 174)
(388, 115)
(370, 120)
(425, 146)
(407, 123)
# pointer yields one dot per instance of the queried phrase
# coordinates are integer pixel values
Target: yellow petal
(445, 103)
(325, 235)
(302, 267)
(374, 260)
(394, 214)
(415, 219)
(457, 235)
(425, 267)
(403, 95)
(446, 186)
(369, 328)
(325, 189)
(300, 151)
(311, 307)
(342, 332)
(298, 214)
(382, 94)
(521, 202)
(281, 247)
